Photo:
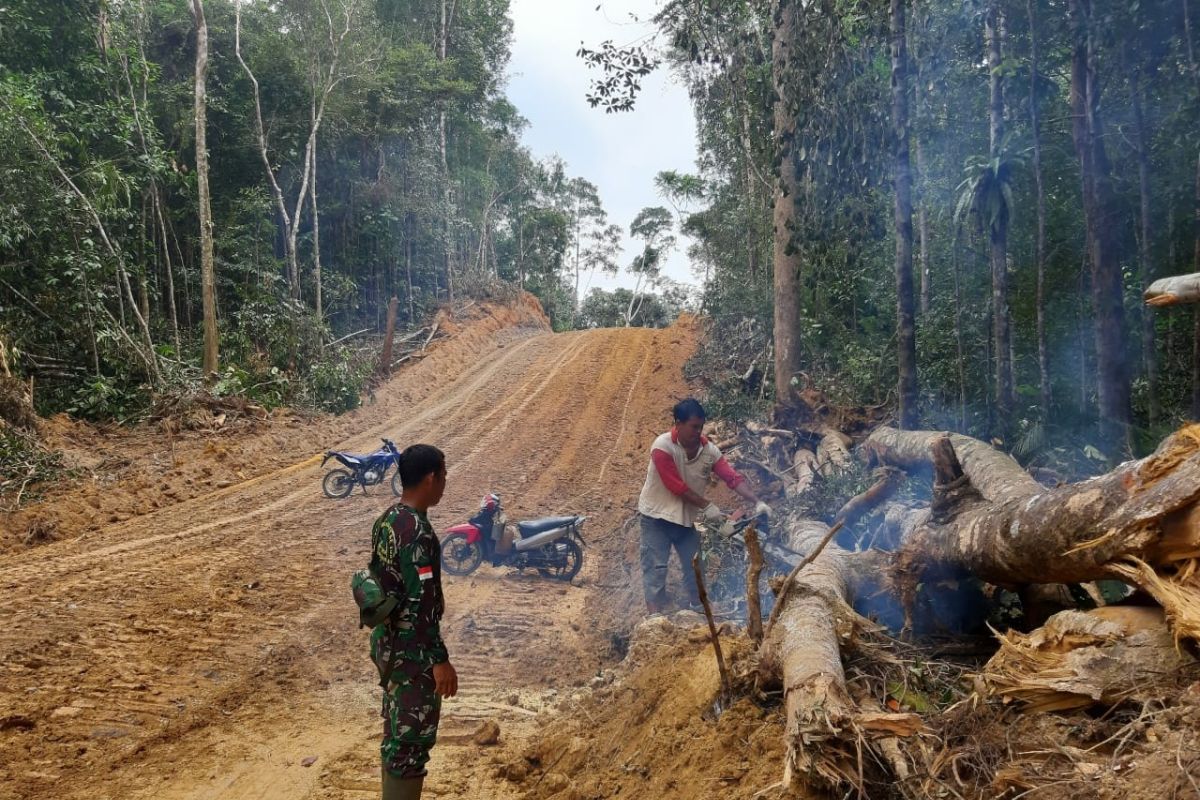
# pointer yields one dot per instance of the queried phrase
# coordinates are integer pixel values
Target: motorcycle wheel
(459, 557)
(397, 487)
(572, 561)
(337, 483)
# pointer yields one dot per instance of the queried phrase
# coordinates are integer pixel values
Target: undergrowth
(24, 463)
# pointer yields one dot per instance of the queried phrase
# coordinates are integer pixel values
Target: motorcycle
(552, 545)
(364, 471)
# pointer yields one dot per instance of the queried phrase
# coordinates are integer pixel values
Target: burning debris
(985, 544)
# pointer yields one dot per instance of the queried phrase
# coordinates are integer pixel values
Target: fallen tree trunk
(807, 639)
(828, 736)
(1175, 290)
(1139, 523)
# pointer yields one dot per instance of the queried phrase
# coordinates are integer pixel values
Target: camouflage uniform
(408, 555)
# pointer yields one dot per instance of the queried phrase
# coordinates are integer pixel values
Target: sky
(619, 153)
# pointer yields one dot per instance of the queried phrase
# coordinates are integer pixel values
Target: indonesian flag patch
(424, 573)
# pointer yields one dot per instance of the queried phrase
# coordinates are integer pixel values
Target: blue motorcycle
(364, 471)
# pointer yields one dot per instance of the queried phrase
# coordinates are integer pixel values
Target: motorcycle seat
(349, 459)
(534, 526)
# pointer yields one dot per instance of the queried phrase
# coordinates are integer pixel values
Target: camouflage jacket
(408, 558)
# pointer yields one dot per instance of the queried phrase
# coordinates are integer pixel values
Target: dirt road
(207, 649)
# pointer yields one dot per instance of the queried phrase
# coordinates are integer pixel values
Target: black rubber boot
(395, 788)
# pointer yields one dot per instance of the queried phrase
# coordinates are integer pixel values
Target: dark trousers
(659, 537)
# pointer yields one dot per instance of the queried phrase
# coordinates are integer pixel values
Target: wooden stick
(726, 687)
(432, 333)
(790, 580)
(754, 625)
(348, 336)
(884, 487)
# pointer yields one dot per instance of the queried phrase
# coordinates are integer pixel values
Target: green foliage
(828, 493)
(109, 398)
(604, 309)
(101, 95)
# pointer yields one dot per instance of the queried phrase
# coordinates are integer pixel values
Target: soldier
(408, 648)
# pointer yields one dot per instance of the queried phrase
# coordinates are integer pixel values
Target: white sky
(620, 153)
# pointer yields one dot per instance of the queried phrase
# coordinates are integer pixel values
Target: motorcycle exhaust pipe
(534, 542)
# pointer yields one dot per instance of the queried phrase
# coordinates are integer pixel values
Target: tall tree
(1087, 131)
(1040, 191)
(653, 226)
(906, 335)
(207, 281)
(787, 257)
(998, 224)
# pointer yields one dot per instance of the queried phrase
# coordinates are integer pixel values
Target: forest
(221, 192)
(956, 207)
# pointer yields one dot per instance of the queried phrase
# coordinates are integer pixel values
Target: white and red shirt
(671, 473)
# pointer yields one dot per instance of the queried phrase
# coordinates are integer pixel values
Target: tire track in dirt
(208, 644)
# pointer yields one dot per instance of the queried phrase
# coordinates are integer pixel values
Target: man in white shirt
(682, 461)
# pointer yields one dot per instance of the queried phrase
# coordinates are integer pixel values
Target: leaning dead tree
(1138, 523)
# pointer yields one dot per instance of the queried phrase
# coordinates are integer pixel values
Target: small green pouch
(374, 604)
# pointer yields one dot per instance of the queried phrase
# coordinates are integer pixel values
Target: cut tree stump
(1139, 523)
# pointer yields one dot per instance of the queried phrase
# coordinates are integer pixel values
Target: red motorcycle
(552, 545)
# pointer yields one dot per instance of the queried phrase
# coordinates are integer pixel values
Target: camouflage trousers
(411, 709)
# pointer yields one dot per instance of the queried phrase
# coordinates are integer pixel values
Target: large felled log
(1139, 523)
(1175, 290)
(826, 731)
(807, 638)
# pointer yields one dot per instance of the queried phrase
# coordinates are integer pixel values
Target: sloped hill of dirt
(119, 474)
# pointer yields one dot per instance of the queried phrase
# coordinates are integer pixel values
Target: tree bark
(1137, 523)
(316, 232)
(448, 264)
(207, 280)
(1107, 291)
(808, 635)
(385, 360)
(826, 732)
(786, 259)
(906, 355)
(293, 267)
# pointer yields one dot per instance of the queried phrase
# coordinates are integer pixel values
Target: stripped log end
(1161, 300)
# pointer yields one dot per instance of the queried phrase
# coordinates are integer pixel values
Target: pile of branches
(198, 409)
(24, 463)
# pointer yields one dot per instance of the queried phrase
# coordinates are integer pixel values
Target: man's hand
(445, 679)
(762, 509)
(712, 513)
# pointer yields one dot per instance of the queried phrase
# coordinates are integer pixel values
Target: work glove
(712, 513)
(763, 510)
